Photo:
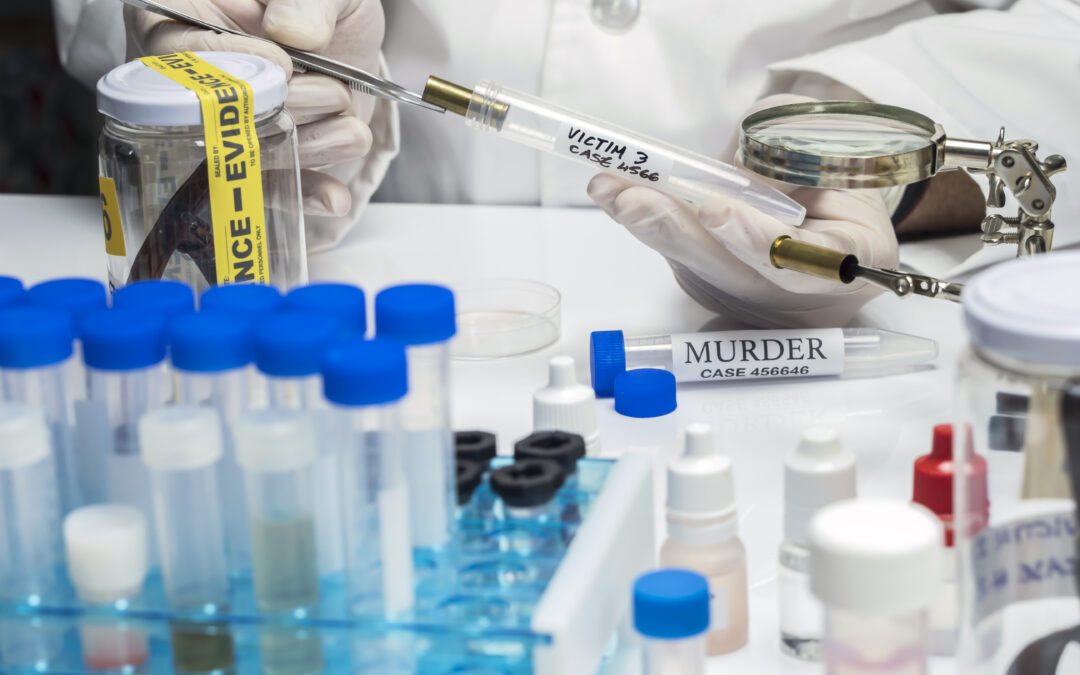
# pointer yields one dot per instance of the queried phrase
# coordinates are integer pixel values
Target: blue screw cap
(169, 298)
(365, 372)
(347, 304)
(123, 339)
(671, 604)
(11, 291)
(607, 359)
(645, 392)
(210, 342)
(415, 314)
(33, 337)
(249, 301)
(77, 296)
(293, 343)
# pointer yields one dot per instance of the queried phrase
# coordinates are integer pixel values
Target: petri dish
(500, 318)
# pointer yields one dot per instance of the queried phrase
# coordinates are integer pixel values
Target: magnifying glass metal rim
(839, 170)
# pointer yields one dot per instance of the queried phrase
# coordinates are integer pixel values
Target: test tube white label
(756, 354)
(611, 151)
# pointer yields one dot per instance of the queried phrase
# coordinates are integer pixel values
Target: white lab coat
(685, 70)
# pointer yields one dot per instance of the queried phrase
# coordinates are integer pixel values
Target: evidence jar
(156, 185)
(1019, 421)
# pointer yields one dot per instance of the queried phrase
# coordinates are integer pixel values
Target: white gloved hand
(332, 120)
(719, 250)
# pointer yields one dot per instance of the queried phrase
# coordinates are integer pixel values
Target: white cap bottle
(567, 405)
(818, 472)
(703, 534)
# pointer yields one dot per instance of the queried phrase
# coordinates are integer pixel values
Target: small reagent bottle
(817, 473)
(703, 535)
(671, 613)
(567, 405)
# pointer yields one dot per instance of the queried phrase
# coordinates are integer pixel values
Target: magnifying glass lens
(849, 135)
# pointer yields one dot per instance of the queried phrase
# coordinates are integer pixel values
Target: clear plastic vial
(36, 344)
(817, 473)
(182, 446)
(78, 297)
(671, 614)
(422, 318)
(250, 303)
(703, 535)
(876, 566)
(342, 302)
(366, 382)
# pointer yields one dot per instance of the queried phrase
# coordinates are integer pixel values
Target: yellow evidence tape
(233, 163)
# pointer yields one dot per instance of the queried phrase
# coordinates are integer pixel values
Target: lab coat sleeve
(972, 72)
(89, 36)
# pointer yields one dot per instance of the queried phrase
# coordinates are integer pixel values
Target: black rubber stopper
(558, 446)
(1009, 403)
(475, 446)
(469, 477)
(1007, 432)
(526, 483)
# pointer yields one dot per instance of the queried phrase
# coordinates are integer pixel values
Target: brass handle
(790, 254)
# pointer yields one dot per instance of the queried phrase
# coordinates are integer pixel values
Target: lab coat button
(615, 15)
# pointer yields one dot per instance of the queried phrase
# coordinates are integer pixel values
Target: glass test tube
(422, 318)
(289, 348)
(211, 353)
(366, 381)
(123, 351)
(542, 125)
(30, 553)
(36, 344)
(758, 354)
(181, 446)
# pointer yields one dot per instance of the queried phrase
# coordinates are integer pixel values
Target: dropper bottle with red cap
(933, 488)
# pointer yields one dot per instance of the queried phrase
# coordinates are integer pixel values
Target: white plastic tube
(532, 121)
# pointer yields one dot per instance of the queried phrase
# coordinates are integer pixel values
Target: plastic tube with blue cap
(645, 401)
(251, 303)
(211, 357)
(79, 297)
(36, 345)
(11, 291)
(167, 298)
(671, 614)
(123, 350)
(347, 304)
(422, 317)
(365, 381)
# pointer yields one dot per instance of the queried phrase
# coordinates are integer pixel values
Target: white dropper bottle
(703, 535)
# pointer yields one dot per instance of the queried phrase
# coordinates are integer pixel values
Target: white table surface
(608, 281)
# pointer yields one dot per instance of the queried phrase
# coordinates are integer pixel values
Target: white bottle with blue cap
(422, 317)
(36, 344)
(365, 381)
(211, 353)
(671, 614)
(123, 350)
(645, 403)
(289, 349)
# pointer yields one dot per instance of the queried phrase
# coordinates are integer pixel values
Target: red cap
(933, 484)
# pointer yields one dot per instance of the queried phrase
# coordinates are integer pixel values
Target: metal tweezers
(354, 78)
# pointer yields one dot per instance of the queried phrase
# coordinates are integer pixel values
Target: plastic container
(566, 405)
(1016, 577)
(250, 302)
(182, 446)
(78, 297)
(671, 614)
(498, 318)
(168, 298)
(645, 401)
(152, 162)
(11, 291)
(342, 302)
(421, 317)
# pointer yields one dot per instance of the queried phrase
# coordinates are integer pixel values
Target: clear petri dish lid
(499, 318)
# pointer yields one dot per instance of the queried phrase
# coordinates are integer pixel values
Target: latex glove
(332, 120)
(719, 250)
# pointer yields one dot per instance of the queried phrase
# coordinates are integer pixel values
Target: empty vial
(817, 473)
(182, 446)
(36, 344)
(876, 566)
(78, 297)
(527, 489)
(671, 614)
(365, 381)
(344, 303)
(278, 450)
(251, 303)
(422, 318)
(107, 561)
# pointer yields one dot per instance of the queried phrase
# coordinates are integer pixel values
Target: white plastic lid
(700, 483)
(1026, 310)
(106, 551)
(275, 440)
(180, 438)
(566, 405)
(24, 436)
(137, 94)
(818, 472)
(876, 556)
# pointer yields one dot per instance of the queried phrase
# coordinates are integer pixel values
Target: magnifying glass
(858, 144)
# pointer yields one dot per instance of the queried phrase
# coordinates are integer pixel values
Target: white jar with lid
(153, 165)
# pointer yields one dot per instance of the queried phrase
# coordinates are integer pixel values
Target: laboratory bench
(608, 280)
